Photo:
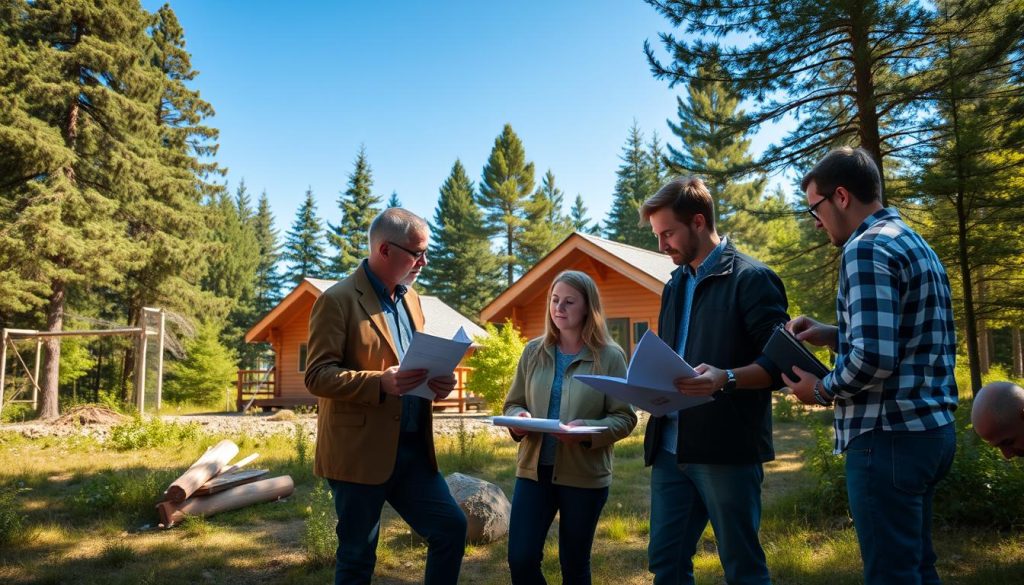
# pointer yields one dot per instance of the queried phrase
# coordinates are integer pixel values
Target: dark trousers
(890, 478)
(420, 496)
(534, 504)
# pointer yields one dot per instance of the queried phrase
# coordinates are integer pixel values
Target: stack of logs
(212, 486)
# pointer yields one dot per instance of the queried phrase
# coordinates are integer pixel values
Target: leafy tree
(463, 270)
(636, 180)
(546, 225)
(507, 182)
(358, 208)
(578, 217)
(206, 374)
(494, 362)
(304, 244)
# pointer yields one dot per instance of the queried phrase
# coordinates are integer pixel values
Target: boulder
(485, 505)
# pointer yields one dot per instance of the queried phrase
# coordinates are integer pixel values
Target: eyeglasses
(813, 210)
(417, 256)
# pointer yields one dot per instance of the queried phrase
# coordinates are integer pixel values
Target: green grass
(77, 510)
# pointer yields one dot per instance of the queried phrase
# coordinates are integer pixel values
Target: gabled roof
(650, 270)
(441, 319)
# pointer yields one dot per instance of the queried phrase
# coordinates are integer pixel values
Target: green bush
(17, 412)
(207, 373)
(995, 373)
(131, 492)
(319, 539)
(12, 521)
(494, 363)
(140, 433)
(982, 488)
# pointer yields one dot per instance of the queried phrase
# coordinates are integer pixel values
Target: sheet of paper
(543, 425)
(648, 382)
(437, 355)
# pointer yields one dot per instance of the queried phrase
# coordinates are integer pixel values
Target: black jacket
(735, 308)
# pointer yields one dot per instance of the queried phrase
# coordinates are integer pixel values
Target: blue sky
(299, 86)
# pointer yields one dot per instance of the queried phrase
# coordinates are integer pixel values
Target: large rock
(485, 505)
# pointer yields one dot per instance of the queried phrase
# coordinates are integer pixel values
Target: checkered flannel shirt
(897, 342)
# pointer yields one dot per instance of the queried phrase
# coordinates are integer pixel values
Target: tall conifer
(546, 225)
(507, 183)
(358, 207)
(636, 180)
(304, 244)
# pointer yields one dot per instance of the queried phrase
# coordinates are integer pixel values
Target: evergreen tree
(714, 151)
(393, 200)
(358, 208)
(206, 374)
(507, 182)
(304, 244)
(78, 100)
(578, 218)
(463, 270)
(862, 59)
(268, 280)
(636, 180)
(546, 225)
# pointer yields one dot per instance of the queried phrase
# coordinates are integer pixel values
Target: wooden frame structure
(140, 333)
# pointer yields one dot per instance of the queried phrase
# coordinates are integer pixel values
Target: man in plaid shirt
(893, 385)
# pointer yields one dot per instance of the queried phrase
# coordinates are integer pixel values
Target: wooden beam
(29, 333)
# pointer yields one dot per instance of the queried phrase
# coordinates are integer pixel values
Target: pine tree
(268, 280)
(546, 225)
(714, 151)
(636, 180)
(358, 208)
(393, 201)
(304, 244)
(78, 112)
(578, 218)
(463, 270)
(507, 182)
(206, 374)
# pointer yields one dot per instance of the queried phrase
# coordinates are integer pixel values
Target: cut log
(266, 490)
(229, 480)
(201, 471)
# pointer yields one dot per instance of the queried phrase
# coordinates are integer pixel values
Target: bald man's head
(998, 417)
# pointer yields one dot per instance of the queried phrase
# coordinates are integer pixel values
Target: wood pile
(90, 414)
(211, 486)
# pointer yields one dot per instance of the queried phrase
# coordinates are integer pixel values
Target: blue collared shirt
(897, 339)
(400, 326)
(670, 430)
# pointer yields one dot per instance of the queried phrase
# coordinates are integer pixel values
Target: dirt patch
(89, 414)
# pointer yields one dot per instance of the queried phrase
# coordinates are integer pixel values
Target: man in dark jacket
(718, 311)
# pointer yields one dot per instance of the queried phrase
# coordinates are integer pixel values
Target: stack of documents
(542, 425)
(648, 382)
(437, 355)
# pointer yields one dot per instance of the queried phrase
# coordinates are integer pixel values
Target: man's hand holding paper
(438, 357)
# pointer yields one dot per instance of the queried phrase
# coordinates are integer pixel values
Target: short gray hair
(395, 223)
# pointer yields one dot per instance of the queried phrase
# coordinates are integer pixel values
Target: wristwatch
(730, 382)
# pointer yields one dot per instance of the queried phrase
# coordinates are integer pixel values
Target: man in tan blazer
(375, 443)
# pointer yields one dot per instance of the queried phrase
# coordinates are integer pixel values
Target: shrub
(131, 492)
(466, 451)
(140, 433)
(12, 521)
(206, 374)
(17, 412)
(494, 363)
(319, 539)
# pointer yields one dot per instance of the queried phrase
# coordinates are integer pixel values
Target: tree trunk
(863, 62)
(48, 400)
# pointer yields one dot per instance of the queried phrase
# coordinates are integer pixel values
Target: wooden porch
(258, 388)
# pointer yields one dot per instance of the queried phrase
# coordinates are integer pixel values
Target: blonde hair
(594, 332)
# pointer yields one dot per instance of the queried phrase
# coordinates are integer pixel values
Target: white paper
(437, 355)
(543, 425)
(648, 382)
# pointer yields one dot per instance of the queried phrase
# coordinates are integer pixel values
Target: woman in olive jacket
(560, 472)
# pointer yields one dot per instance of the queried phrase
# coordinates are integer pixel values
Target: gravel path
(445, 424)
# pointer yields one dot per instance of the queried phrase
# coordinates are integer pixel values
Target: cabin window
(639, 328)
(618, 327)
(302, 357)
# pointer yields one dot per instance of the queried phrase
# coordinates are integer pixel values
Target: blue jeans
(534, 504)
(890, 478)
(683, 499)
(420, 496)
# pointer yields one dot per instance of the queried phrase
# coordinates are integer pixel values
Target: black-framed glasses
(813, 210)
(417, 256)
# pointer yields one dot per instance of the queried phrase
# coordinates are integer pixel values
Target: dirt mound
(88, 414)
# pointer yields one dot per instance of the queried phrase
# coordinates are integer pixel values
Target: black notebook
(787, 351)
